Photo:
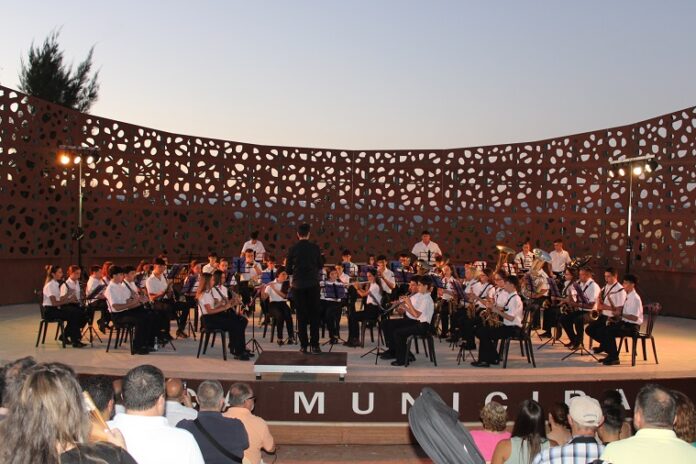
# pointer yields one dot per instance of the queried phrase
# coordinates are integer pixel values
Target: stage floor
(676, 345)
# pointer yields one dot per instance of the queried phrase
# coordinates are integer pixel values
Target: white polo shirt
(116, 294)
(423, 302)
(258, 248)
(273, 296)
(205, 298)
(591, 291)
(559, 260)
(616, 294)
(71, 285)
(373, 292)
(156, 285)
(51, 289)
(421, 250)
(387, 276)
(513, 307)
(151, 440)
(524, 260)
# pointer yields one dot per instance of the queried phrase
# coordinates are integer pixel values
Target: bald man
(178, 405)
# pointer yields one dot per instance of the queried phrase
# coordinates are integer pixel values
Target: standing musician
(278, 306)
(613, 294)
(426, 249)
(448, 298)
(212, 263)
(331, 306)
(214, 315)
(560, 258)
(239, 323)
(509, 307)
(99, 302)
(372, 292)
(144, 321)
(386, 276)
(573, 322)
(418, 310)
(159, 291)
(626, 321)
(254, 244)
(525, 258)
(63, 307)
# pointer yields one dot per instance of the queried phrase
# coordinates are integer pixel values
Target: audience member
(559, 425)
(528, 436)
(101, 389)
(220, 438)
(685, 421)
(178, 405)
(655, 441)
(10, 376)
(494, 420)
(242, 399)
(48, 423)
(585, 416)
(149, 437)
(614, 420)
(613, 397)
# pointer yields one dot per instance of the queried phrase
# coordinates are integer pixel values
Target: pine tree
(45, 76)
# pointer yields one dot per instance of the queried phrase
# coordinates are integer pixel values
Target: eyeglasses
(251, 398)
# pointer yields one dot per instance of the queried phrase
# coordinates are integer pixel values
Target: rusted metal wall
(155, 191)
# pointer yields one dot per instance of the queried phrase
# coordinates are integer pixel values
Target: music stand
(583, 300)
(553, 293)
(377, 350)
(96, 291)
(363, 269)
(338, 292)
(238, 265)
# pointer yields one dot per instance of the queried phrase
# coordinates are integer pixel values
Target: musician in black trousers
(304, 264)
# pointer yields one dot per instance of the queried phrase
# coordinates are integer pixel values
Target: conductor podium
(283, 362)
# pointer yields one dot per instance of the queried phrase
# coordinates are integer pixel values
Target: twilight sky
(372, 74)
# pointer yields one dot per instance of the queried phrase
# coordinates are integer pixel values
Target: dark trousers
(101, 306)
(280, 311)
(609, 333)
(445, 310)
(75, 319)
(551, 314)
(399, 331)
(535, 309)
(308, 311)
(331, 312)
(172, 310)
(489, 338)
(572, 324)
(143, 321)
(232, 324)
(469, 326)
(370, 312)
(595, 329)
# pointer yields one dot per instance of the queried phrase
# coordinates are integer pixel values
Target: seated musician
(99, 302)
(459, 314)
(349, 267)
(418, 310)
(612, 293)
(249, 278)
(405, 262)
(64, 306)
(214, 314)
(372, 292)
(221, 292)
(573, 322)
(278, 306)
(626, 321)
(525, 258)
(212, 263)
(535, 288)
(331, 306)
(371, 260)
(426, 249)
(562, 310)
(448, 296)
(160, 293)
(271, 270)
(480, 292)
(145, 322)
(386, 276)
(508, 306)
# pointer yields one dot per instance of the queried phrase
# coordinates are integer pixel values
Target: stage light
(651, 166)
(64, 159)
(622, 172)
(638, 170)
(611, 172)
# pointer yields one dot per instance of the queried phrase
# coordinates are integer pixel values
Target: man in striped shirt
(584, 418)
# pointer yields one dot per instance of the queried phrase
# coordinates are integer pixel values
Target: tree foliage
(44, 75)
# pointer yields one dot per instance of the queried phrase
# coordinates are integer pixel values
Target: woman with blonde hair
(494, 420)
(48, 423)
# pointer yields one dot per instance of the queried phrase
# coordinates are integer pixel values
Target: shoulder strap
(215, 443)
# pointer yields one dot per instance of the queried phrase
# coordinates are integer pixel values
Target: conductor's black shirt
(304, 264)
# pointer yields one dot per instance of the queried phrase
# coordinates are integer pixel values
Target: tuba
(504, 253)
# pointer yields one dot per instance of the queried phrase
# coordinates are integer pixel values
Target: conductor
(304, 265)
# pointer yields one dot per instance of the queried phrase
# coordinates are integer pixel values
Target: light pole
(632, 167)
(67, 155)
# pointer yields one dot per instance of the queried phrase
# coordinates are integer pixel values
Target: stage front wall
(154, 191)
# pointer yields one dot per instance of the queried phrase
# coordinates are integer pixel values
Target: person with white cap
(585, 417)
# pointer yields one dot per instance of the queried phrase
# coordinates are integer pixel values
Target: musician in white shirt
(508, 307)
(371, 290)
(572, 323)
(525, 258)
(386, 276)
(626, 323)
(448, 296)
(426, 249)
(613, 293)
(560, 258)
(479, 292)
(212, 263)
(255, 245)
(59, 304)
(418, 310)
(126, 307)
(159, 292)
(278, 307)
(331, 303)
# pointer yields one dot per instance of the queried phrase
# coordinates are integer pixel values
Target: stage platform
(373, 397)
